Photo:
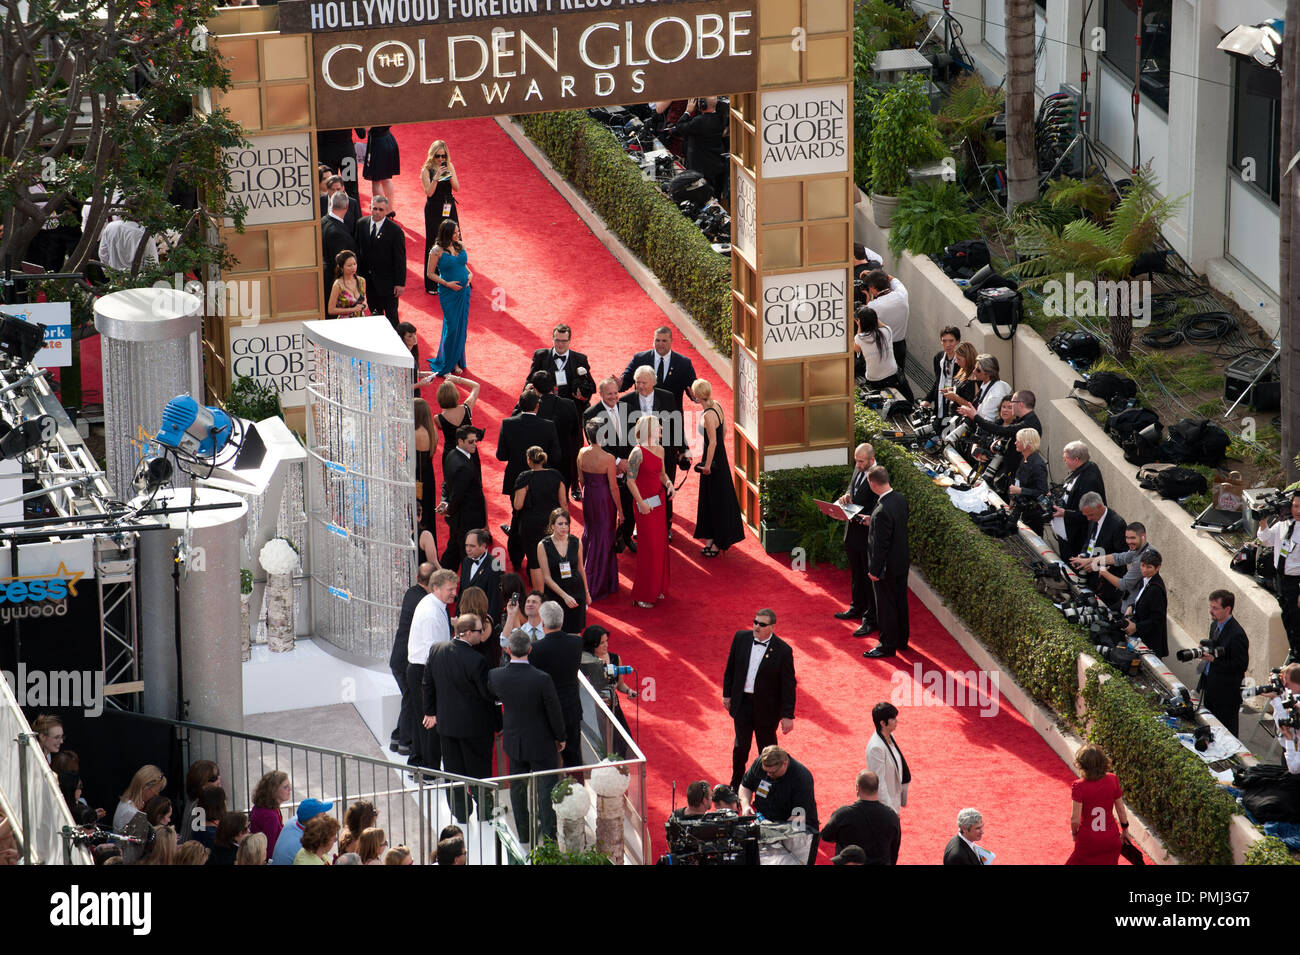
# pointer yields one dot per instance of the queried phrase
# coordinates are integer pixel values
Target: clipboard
(841, 512)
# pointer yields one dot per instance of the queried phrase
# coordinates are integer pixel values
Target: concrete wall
(1194, 564)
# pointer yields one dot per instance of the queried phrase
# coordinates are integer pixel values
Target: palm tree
(1102, 251)
(1022, 158)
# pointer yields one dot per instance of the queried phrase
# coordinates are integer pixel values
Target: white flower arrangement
(278, 557)
(575, 803)
(610, 780)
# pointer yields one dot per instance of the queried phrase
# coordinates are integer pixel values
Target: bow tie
(760, 643)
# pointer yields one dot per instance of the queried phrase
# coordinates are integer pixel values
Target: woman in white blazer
(885, 759)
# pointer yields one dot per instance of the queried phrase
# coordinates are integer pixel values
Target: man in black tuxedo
(758, 689)
(1150, 608)
(404, 735)
(571, 370)
(459, 705)
(533, 733)
(868, 824)
(558, 654)
(862, 601)
(568, 426)
(672, 371)
(335, 237)
(381, 259)
(1225, 661)
(334, 185)
(478, 569)
(1105, 533)
(961, 847)
(888, 562)
(647, 398)
(462, 495)
(612, 434)
(1068, 523)
(520, 432)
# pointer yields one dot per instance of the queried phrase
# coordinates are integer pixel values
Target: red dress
(1099, 835)
(651, 533)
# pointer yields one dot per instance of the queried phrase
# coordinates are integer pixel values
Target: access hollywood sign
(38, 595)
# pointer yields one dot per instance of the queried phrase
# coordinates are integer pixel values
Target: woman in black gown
(383, 161)
(426, 478)
(718, 524)
(537, 492)
(454, 412)
(559, 556)
(438, 177)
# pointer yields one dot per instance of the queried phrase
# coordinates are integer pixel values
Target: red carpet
(535, 260)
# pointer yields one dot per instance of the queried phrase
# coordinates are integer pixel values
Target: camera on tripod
(715, 838)
(1277, 504)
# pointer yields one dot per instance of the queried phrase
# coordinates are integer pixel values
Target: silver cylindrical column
(151, 354)
(210, 641)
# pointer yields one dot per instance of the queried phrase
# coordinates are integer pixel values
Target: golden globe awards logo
(273, 179)
(805, 132)
(805, 313)
(275, 355)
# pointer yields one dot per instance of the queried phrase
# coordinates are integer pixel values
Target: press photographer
(1103, 534)
(1272, 792)
(1224, 656)
(1030, 484)
(780, 789)
(1149, 608)
(1284, 537)
(1123, 588)
(1068, 523)
(945, 371)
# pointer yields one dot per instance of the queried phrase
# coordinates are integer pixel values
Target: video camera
(715, 838)
(1277, 504)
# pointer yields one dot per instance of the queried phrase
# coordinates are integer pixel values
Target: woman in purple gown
(599, 514)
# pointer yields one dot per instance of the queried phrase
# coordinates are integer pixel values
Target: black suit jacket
(1032, 475)
(888, 554)
(533, 722)
(855, 531)
(562, 413)
(936, 363)
(774, 684)
(681, 373)
(580, 388)
(1223, 681)
(1086, 478)
(335, 237)
(558, 654)
(868, 824)
(350, 218)
(672, 428)
(958, 853)
(703, 137)
(518, 434)
(381, 259)
(414, 594)
(1110, 537)
(456, 691)
(488, 578)
(612, 436)
(462, 489)
(1150, 616)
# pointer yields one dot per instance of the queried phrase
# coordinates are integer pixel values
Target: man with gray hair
(558, 654)
(862, 598)
(648, 398)
(532, 733)
(1068, 523)
(962, 848)
(335, 237)
(1104, 534)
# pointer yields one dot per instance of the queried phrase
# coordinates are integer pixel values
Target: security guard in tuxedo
(1284, 538)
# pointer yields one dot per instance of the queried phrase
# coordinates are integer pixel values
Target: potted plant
(903, 134)
(930, 217)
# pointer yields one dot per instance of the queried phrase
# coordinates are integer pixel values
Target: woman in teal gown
(448, 266)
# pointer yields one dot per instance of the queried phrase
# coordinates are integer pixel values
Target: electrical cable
(1162, 338)
(1207, 327)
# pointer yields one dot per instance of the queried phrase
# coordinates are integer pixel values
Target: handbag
(1131, 852)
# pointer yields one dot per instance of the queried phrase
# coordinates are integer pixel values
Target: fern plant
(931, 216)
(903, 134)
(1092, 195)
(965, 116)
(1094, 251)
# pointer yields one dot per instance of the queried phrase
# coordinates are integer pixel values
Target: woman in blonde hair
(163, 850)
(129, 819)
(372, 846)
(651, 489)
(438, 177)
(398, 855)
(718, 523)
(192, 853)
(252, 851)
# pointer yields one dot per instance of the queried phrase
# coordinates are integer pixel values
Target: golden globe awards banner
(747, 394)
(805, 313)
(273, 354)
(745, 217)
(562, 60)
(805, 132)
(272, 176)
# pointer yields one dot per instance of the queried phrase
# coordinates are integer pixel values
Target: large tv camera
(715, 838)
(1277, 504)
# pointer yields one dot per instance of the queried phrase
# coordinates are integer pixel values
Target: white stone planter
(882, 210)
(571, 816)
(610, 783)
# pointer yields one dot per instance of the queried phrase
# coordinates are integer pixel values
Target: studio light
(194, 429)
(20, 340)
(1261, 44)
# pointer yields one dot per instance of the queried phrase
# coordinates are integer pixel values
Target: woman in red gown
(1097, 837)
(650, 489)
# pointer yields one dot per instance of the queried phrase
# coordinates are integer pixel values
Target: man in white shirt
(962, 848)
(430, 624)
(119, 242)
(888, 298)
(1284, 538)
(1286, 736)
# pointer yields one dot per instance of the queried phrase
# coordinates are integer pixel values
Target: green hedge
(1269, 851)
(585, 152)
(991, 592)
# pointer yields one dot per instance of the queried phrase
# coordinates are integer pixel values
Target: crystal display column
(360, 482)
(151, 354)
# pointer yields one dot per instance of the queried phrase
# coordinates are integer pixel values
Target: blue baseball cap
(311, 808)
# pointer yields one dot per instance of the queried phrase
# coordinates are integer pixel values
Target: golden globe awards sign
(272, 177)
(273, 354)
(805, 313)
(747, 393)
(569, 58)
(745, 218)
(805, 132)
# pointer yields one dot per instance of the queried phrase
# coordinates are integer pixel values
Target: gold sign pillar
(792, 222)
